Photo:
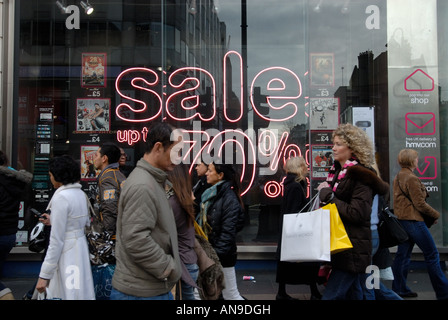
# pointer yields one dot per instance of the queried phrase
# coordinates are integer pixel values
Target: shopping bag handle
(311, 201)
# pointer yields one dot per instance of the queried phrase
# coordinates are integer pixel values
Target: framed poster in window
(92, 115)
(322, 69)
(324, 113)
(93, 70)
(321, 161)
(88, 171)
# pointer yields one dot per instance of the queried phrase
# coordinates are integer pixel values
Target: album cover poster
(322, 69)
(92, 115)
(93, 70)
(322, 161)
(324, 113)
(88, 171)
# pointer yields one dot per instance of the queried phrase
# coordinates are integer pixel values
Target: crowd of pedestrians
(155, 215)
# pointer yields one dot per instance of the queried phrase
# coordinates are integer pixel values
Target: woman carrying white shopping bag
(351, 185)
(294, 200)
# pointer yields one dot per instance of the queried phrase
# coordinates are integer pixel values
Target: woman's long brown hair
(181, 180)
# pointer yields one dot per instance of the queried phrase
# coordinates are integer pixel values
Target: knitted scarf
(331, 174)
(207, 199)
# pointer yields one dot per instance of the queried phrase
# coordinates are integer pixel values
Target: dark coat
(294, 196)
(408, 186)
(12, 188)
(226, 218)
(294, 200)
(198, 189)
(353, 198)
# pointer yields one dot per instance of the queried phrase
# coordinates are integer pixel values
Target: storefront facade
(250, 82)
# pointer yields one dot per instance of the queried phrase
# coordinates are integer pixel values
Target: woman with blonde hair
(294, 200)
(411, 208)
(351, 184)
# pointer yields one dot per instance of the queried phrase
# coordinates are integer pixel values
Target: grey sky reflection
(283, 33)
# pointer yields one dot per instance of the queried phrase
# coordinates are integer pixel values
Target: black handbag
(39, 234)
(37, 238)
(390, 230)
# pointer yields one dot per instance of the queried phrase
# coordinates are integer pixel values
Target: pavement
(263, 286)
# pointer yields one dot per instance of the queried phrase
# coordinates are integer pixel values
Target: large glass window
(263, 79)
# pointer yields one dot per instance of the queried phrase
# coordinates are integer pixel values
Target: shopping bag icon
(420, 123)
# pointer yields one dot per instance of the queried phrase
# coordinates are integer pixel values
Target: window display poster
(364, 118)
(322, 161)
(324, 113)
(88, 171)
(93, 70)
(322, 69)
(92, 115)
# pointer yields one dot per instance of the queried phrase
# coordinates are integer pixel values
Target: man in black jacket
(12, 187)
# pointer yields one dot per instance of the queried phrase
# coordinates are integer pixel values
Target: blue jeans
(369, 294)
(419, 235)
(7, 242)
(383, 293)
(187, 290)
(118, 295)
(343, 285)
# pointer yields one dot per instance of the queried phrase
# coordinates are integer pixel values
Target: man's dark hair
(158, 132)
(110, 150)
(65, 169)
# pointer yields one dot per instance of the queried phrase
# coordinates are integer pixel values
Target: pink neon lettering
(267, 141)
(137, 82)
(195, 98)
(215, 143)
(129, 136)
(291, 150)
(273, 189)
(284, 101)
(193, 144)
(146, 104)
(279, 151)
(225, 90)
(146, 80)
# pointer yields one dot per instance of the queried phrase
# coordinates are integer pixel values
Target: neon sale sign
(142, 103)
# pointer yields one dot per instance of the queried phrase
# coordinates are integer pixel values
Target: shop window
(295, 70)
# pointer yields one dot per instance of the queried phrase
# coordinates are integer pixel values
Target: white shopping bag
(306, 236)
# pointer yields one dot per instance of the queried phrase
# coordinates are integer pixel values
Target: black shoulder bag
(390, 230)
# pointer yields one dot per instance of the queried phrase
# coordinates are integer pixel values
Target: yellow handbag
(339, 240)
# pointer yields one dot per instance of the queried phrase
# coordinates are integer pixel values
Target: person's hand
(326, 195)
(323, 185)
(45, 219)
(41, 285)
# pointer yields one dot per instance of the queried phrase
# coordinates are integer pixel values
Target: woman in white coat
(66, 271)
